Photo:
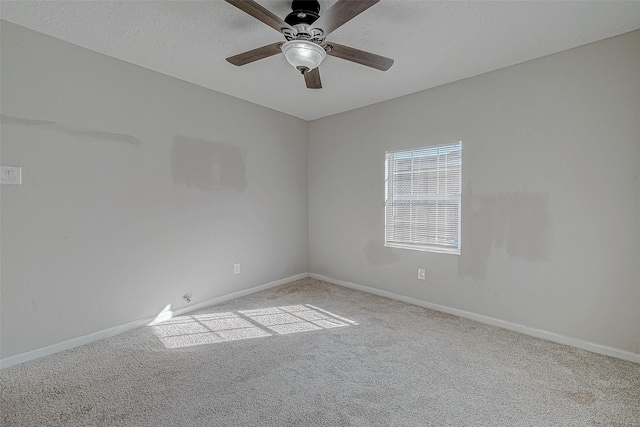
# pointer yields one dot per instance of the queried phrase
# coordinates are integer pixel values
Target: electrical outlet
(236, 268)
(421, 273)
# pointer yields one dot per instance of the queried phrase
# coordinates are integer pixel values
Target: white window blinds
(422, 198)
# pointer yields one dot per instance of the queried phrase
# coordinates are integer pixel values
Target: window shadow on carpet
(212, 328)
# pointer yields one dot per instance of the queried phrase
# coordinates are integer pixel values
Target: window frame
(388, 185)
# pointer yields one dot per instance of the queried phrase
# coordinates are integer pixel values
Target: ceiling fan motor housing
(303, 12)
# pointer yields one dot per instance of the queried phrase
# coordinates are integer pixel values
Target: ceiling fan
(305, 31)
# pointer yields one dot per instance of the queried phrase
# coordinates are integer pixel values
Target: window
(422, 198)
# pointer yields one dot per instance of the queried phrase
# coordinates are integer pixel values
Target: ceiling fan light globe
(303, 54)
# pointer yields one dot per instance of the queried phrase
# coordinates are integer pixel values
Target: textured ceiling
(432, 42)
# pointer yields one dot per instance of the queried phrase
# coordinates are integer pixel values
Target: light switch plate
(11, 175)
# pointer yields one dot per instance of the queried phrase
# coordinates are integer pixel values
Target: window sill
(435, 249)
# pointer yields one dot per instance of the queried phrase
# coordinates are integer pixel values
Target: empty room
(319, 213)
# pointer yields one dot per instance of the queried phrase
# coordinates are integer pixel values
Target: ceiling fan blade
(372, 60)
(255, 54)
(341, 12)
(312, 79)
(260, 13)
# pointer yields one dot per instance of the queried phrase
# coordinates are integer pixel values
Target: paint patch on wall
(526, 219)
(207, 165)
(581, 397)
(477, 237)
(378, 254)
(517, 223)
(69, 130)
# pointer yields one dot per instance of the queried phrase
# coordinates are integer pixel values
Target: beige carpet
(314, 354)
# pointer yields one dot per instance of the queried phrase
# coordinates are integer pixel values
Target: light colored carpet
(314, 354)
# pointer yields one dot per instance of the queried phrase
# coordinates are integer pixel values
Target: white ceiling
(432, 42)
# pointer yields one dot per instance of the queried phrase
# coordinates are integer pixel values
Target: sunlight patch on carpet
(212, 328)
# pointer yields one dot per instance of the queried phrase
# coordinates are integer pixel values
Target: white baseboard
(534, 332)
(116, 330)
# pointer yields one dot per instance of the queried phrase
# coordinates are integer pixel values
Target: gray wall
(551, 199)
(137, 188)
